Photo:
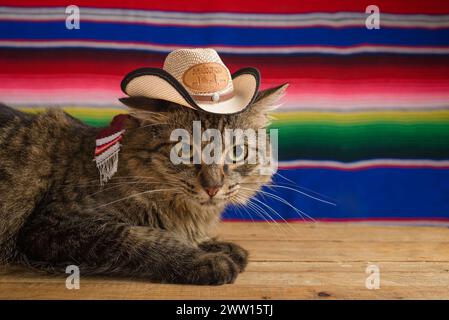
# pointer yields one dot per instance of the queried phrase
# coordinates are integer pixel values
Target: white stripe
(293, 24)
(241, 50)
(102, 141)
(338, 19)
(107, 153)
(364, 163)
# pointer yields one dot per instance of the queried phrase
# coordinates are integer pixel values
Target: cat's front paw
(234, 251)
(213, 269)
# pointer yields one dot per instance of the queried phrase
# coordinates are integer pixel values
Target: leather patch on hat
(206, 77)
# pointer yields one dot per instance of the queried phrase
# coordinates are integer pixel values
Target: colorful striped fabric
(365, 123)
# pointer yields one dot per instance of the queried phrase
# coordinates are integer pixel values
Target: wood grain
(295, 261)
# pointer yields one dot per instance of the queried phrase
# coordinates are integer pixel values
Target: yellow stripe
(296, 116)
(363, 116)
(83, 112)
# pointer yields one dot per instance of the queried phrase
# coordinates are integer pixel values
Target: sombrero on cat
(194, 78)
(198, 79)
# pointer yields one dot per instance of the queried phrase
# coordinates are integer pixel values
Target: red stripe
(102, 148)
(391, 80)
(301, 91)
(92, 63)
(253, 6)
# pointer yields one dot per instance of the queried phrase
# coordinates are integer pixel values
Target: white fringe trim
(107, 163)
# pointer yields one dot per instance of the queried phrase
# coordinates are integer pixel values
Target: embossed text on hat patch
(206, 77)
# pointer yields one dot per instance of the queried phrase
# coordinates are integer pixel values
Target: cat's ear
(269, 99)
(265, 102)
(145, 111)
(145, 104)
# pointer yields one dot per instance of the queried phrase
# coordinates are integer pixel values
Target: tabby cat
(153, 219)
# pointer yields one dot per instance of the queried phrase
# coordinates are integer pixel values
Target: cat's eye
(184, 151)
(238, 153)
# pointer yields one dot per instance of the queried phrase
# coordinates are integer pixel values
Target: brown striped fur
(53, 212)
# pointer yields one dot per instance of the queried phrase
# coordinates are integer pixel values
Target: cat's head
(153, 148)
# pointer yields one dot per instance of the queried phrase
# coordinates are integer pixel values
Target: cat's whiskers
(149, 125)
(275, 212)
(305, 194)
(279, 185)
(303, 188)
(258, 211)
(150, 112)
(278, 225)
(241, 205)
(244, 206)
(134, 195)
(237, 208)
(115, 178)
(95, 182)
(110, 183)
(154, 114)
(300, 213)
(121, 184)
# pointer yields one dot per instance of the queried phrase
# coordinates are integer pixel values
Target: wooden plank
(128, 290)
(330, 231)
(348, 267)
(320, 261)
(17, 273)
(291, 274)
(319, 251)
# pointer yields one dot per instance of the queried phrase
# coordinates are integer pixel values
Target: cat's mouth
(214, 201)
(211, 202)
(201, 197)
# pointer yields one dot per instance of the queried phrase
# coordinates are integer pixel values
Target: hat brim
(157, 83)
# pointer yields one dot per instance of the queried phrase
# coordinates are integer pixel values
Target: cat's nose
(212, 191)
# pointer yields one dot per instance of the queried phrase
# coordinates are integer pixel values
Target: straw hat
(198, 79)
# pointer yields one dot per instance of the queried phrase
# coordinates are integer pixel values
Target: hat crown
(200, 71)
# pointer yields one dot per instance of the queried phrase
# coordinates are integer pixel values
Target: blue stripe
(195, 36)
(371, 193)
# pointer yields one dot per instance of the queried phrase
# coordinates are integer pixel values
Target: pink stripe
(307, 94)
(364, 167)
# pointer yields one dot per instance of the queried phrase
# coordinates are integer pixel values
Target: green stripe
(96, 122)
(351, 142)
(356, 142)
(345, 137)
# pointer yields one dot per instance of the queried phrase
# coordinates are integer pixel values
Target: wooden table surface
(288, 261)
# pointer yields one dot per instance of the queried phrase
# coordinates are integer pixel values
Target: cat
(152, 220)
